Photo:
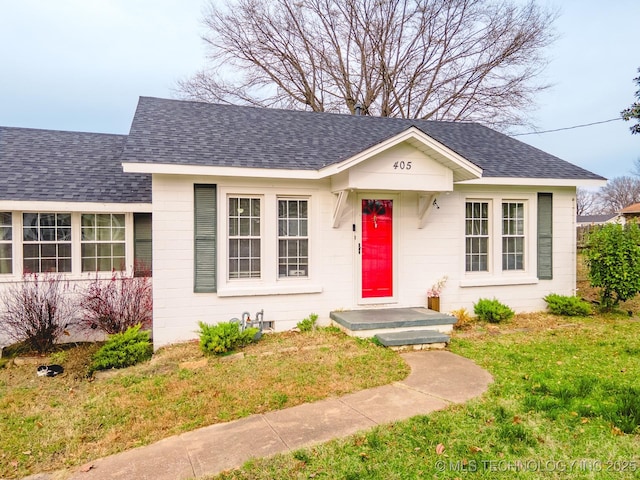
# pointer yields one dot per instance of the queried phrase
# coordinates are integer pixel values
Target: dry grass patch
(52, 423)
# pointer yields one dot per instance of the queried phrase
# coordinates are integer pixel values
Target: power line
(566, 128)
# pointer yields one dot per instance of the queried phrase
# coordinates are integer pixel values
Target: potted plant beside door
(433, 294)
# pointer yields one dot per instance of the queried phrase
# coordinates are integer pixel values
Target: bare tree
(587, 202)
(37, 310)
(430, 59)
(620, 192)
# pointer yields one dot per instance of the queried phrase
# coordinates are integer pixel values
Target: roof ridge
(309, 112)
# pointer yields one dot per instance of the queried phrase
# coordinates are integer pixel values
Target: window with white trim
(6, 236)
(513, 236)
(293, 238)
(46, 242)
(103, 242)
(477, 236)
(244, 237)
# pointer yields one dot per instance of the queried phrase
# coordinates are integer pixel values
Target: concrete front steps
(398, 328)
(414, 339)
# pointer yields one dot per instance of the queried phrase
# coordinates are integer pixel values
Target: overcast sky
(82, 64)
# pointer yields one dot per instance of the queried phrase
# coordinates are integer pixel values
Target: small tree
(117, 304)
(633, 112)
(613, 259)
(37, 310)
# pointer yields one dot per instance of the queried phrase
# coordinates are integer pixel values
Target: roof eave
(217, 171)
(534, 181)
(74, 206)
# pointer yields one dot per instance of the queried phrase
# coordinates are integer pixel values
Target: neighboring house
(630, 212)
(586, 223)
(298, 212)
(590, 220)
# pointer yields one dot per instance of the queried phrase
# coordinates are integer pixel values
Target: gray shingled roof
(595, 218)
(203, 134)
(47, 165)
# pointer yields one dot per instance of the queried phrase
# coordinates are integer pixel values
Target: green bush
(492, 311)
(224, 337)
(308, 323)
(123, 350)
(569, 306)
(613, 259)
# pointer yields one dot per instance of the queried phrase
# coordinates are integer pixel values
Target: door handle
(358, 249)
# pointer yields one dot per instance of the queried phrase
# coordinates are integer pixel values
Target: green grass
(565, 404)
(53, 423)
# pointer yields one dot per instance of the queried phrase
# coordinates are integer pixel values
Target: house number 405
(402, 165)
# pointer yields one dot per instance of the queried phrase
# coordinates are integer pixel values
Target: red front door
(377, 248)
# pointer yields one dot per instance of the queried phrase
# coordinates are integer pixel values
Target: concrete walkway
(437, 379)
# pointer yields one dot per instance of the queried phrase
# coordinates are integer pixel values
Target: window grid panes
(476, 236)
(293, 238)
(103, 242)
(46, 242)
(244, 237)
(6, 235)
(513, 236)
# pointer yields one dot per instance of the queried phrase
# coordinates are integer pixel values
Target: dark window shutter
(205, 249)
(545, 236)
(142, 246)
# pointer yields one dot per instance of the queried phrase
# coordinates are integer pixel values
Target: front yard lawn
(565, 404)
(52, 423)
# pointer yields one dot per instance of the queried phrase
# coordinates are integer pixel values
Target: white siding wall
(177, 309)
(424, 256)
(523, 297)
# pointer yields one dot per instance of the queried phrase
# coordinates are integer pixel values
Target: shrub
(123, 350)
(37, 311)
(224, 337)
(115, 305)
(613, 260)
(570, 306)
(308, 323)
(492, 311)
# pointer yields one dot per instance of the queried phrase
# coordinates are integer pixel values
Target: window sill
(255, 290)
(498, 281)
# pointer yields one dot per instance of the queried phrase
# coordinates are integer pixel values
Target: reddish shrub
(117, 304)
